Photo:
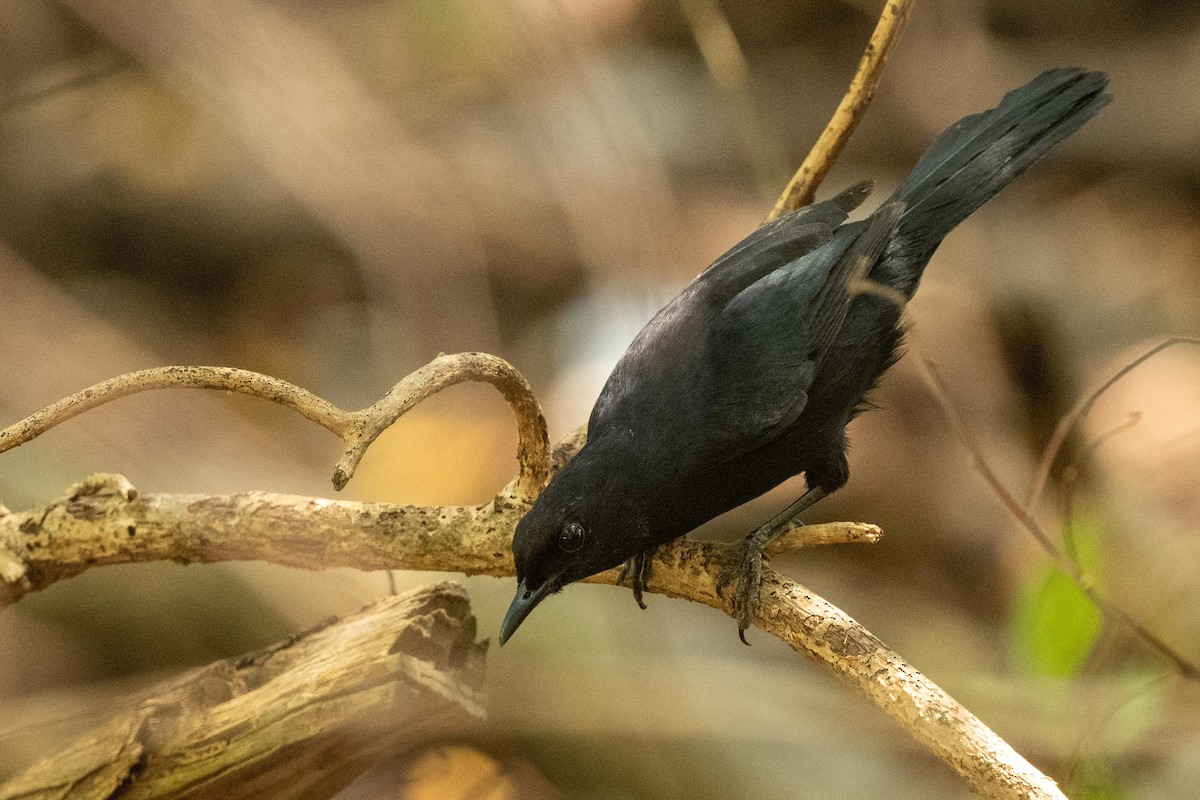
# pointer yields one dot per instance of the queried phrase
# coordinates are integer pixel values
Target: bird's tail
(977, 157)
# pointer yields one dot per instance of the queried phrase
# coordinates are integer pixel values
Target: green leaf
(1055, 625)
(1097, 779)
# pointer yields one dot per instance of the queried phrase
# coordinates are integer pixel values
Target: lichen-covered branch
(356, 429)
(105, 521)
(299, 719)
(445, 371)
(811, 625)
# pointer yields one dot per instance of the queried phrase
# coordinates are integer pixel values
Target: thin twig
(1081, 409)
(1102, 726)
(802, 188)
(1069, 567)
(937, 387)
(228, 379)
(356, 429)
(1070, 478)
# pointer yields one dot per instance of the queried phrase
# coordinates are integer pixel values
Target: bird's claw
(745, 581)
(637, 570)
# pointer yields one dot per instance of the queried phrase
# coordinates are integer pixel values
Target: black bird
(750, 375)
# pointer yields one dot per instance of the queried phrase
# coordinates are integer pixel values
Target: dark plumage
(749, 375)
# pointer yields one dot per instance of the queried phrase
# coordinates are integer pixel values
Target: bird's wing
(769, 342)
(777, 243)
(730, 359)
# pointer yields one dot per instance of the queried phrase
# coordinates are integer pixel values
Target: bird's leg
(748, 578)
(643, 575)
(637, 569)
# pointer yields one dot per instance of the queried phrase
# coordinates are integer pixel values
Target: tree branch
(356, 429)
(301, 718)
(105, 521)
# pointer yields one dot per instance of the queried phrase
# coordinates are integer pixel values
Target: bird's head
(586, 521)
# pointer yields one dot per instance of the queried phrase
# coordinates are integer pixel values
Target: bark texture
(301, 718)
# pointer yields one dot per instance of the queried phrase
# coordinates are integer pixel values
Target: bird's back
(727, 360)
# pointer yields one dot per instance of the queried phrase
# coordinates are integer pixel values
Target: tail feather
(979, 155)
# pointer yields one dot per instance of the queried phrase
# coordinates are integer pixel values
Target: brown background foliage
(333, 193)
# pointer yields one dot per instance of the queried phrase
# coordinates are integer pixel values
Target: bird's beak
(525, 601)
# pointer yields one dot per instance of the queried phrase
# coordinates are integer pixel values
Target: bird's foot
(743, 581)
(746, 578)
(637, 570)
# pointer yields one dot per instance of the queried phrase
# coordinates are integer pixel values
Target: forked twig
(1081, 409)
(356, 429)
(445, 371)
(933, 379)
(1070, 478)
(1062, 560)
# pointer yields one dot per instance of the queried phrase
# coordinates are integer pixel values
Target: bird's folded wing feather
(778, 243)
(728, 363)
(769, 342)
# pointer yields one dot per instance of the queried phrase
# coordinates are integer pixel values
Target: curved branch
(356, 429)
(105, 521)
(445, 371)
(228, 379)
(811, 625)
(802, 188)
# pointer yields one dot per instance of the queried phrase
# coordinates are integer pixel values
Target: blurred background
(334, 193)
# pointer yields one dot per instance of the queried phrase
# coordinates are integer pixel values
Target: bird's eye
(572, 536)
